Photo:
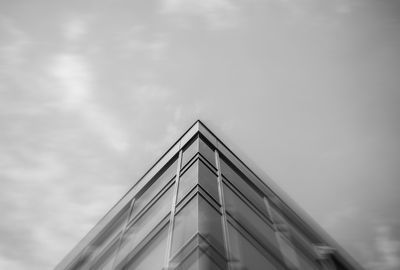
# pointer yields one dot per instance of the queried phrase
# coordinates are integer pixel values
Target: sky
(93, 92)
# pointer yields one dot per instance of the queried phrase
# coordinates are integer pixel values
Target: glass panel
(210, 225)
(288, 252)
(281, 223)
(152, 256)
(207, 152)
(208, 180)
(248, 218)
(245, 254)
(106, 261)
(186, 225)
(198, 260)
(243, 186)
(155, 186)
(301, 239)
(307, 263)
(198, 173)
(109, 234)
(146, 223)
(188, 180)
(190, 151)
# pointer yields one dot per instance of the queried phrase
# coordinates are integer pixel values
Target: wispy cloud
(316, 8)
(339, 217)
(137, 41)
(74, 80)
(388, 248)
(75, 28)
(6, 263)
(36, 186)
(74, 86)
(218, 14)
(13, 44)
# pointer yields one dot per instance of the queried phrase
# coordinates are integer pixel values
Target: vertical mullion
(224, 220)
(275, 227)
(280, 236)
(121, 238)
(173, 208)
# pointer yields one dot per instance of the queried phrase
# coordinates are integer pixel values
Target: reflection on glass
(110, 234)
(198, 145)
(198, 260)
(210, 225)
(288, 252)
(248, 218)
(188, 180)
(245, 254)
(146, 223)
(198, 173)
(152, 256)
(198, 216)
(307, 263)
(153, 188)
(244, 187)
(190, 151)
(207, 152)
(106, 261)
(302, 240)
(208, 181)
(186, 225)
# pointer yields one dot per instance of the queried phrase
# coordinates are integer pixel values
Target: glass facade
(200, 207)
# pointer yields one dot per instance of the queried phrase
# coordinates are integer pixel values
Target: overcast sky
(93, 92)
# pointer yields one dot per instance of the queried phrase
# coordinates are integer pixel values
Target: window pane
(288, 252)
(186, 225)
(207, 152)
(302, 240)
(249, 219)
(243, 186)
(146, 223)
(210, 225)
(188, 180)
(208, 181)
(190, 151)
(198, 173)
(307, 263)
(245, 254)
(153, 188)
(106, 261)
(110, 234)
(198, 260)
(152, 256)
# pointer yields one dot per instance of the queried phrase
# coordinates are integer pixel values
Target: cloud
(136, 41)
(388, 248)
(218, 14)
(74, 29)
(171, 132)
(74, 86)
(341, 216)
(6, 263)
(13, 44)
(151, 93)
(74, 79)
(302, 8)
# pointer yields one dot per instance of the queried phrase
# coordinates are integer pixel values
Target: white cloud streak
(74, 29)
(74, 83)
(388, 249)
(13, 44)
(218, 14)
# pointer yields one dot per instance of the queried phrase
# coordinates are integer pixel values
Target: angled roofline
(264, 183)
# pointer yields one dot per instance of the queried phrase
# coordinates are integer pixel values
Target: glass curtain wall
(200, 212)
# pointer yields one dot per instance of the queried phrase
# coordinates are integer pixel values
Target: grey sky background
(93, 92)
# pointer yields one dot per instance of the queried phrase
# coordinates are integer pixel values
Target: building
(201, 207)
